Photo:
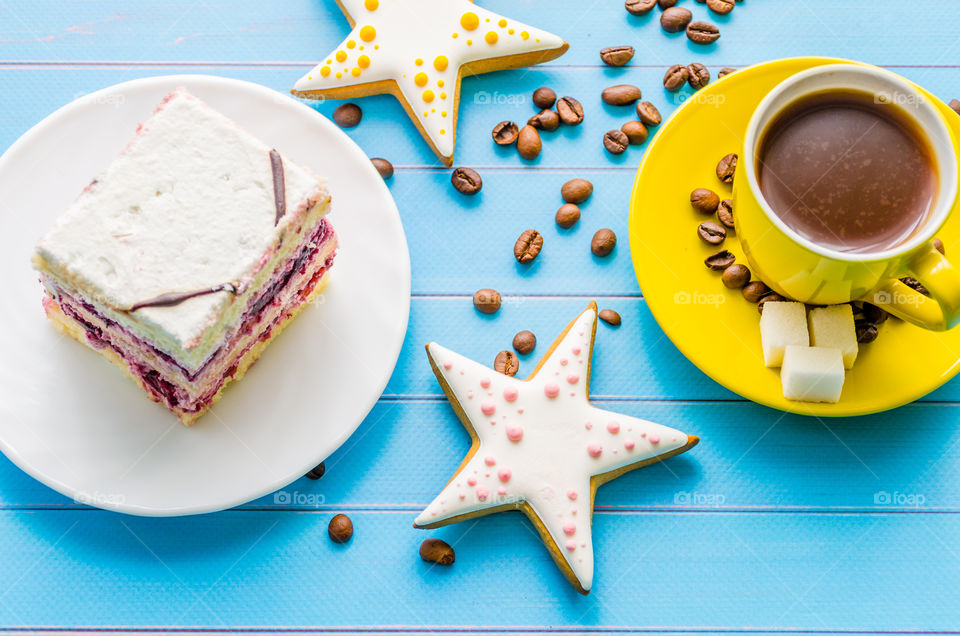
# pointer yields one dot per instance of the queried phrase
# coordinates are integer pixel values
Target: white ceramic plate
(72, 420)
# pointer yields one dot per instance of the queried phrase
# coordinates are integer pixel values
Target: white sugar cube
(781, 325)
(812, 374)
(832, 327)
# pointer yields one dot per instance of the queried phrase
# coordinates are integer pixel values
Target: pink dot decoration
(472, 481)
(447, 365)
(571, 545)
(463, 495)
(551, 390)
(564, 362)
(485, 383)
(489, 460)
(653, 438)
(572, 495)
(514, 432)
(594, 449)
(569, 528)
(470, 394)
(482, 493)
(629, 444)
(488, 408)
(588, 426)
(573, 378)
(501, 491)
(613, 427)
(510, 394)
(504, 474)
(576, 351)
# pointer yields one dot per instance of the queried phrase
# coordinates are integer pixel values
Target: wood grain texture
(774, 524)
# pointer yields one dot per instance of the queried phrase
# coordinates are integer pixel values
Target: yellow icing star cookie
(418, 50)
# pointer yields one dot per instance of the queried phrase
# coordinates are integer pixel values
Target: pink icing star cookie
(418, 50)
(540, 446)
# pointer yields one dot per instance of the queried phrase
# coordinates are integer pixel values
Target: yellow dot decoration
(440, 83)
(376, 47)
(488, 19)
(341, 56)
(428, 96)
(469, 21)
(329, 61)
(351, 44)
(339, 74)
(418, 62)
(426, 114)
(367, 33)
(524, 35)
(355, 71)
(309, 77)
(454, 35)
(371, 5)
(502, 23)
(491, 37)
(469, 42)
(511, 31)
(360, 47)
(325, 71)
(440, 63)
(363, 61)
(420, 79)
(443, 131)
(443, 113)
(443, 95)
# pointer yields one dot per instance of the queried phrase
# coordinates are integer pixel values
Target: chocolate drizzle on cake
(170, 299)
(279, 185)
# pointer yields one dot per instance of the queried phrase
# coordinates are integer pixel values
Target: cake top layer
(191, 204)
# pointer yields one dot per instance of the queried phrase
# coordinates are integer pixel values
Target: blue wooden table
(774, 524)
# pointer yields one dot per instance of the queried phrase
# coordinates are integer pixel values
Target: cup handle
(939, 311)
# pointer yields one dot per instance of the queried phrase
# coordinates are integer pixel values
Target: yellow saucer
(714, 327)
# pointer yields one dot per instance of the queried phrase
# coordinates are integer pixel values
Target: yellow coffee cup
(797, 267)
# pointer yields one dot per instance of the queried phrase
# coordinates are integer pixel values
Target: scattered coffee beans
(648, 114)
(700, 32)
(524, 342)
(466, 180)
(704, 201)
(725, 71)
(699, 75)
(576, 190)
(528, 246)
(639, 7)
(874, 314)
(528, 142)
(568, 215)
(666, 4)
(347, 115)
(384, 167)
(615, 141)
(635, 131)
(437, 551)
(603, 242)
(616, 55)
(867, 332)
(722, 7)
(735, 276)
(506, 363)
(340, 529)
(727, 167)
(725, 213)
(317, 471)
(720, 261)
(505, 133)
(754, 291)
(544, 97)
(610, 317)
(675, 77)
(915, 285)
(570, 111)
(675, 19)
(487, 301)
(938, 245)
(711, 233)
(620, 95)
(769, 298)
(955, 105)
(546, 119)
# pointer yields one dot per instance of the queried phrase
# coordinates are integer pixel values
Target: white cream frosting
(541, 442)
(421, 45)
(188, 205)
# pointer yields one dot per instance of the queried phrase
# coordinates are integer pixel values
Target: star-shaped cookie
(540, 446)
(418, 50)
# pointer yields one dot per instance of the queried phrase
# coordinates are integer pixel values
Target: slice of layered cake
(188, 255)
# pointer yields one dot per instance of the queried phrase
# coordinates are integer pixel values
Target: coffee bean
(675, 19)
(769, 298)
(437, 551)
(700, 32)
(570, 111)
(528, 143)
(867, 332)
(568, 215)
(675, 77)
(466, 180)
(648, 114)
(955, 105)
(699, 75)
(754, 291)
(710, 232)
(505, 133)
(666, 4)
(528, 246)
(616, 55)
(915, 285)
(735, 276)
(487, 301)
(317, 471)
(620, 95)
(506, 363)
(603, 242)
(938, 245)
(347, 115)
(635, 131)
(544, 97)
(576, 190)
(524, 342)
(720, 261)
(340, 529)
(615, 141)
(725, 213)
(725, 71)
(704, 201)
(874, 314)
(384, 167)
(639, 7)
(722, 7)
(546, 119)
(610, 317)
(727, 167)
